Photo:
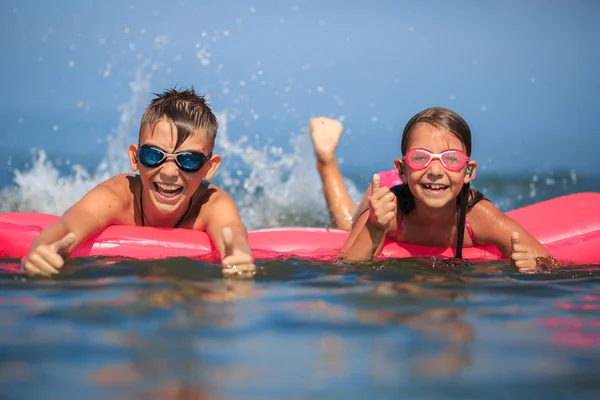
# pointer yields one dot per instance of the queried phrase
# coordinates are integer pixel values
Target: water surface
(415, 328)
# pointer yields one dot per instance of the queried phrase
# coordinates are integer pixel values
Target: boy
(173, 157)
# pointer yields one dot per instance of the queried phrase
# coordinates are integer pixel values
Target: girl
(435, 205)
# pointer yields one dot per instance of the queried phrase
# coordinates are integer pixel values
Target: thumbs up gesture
(46, 259)
(383, 204)
(237, 260)
(521, 256)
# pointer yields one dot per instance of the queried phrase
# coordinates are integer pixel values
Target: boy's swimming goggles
(188, 161)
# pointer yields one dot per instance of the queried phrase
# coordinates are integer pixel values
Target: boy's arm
(96, 210)
(228, 233)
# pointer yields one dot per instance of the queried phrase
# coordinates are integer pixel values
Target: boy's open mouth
(167, 190)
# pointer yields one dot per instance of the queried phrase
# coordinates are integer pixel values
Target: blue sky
(522, 73)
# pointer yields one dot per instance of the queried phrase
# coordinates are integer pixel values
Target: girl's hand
(521, 256)
(383, 204)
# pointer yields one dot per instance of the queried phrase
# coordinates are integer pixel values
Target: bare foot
(325, 134)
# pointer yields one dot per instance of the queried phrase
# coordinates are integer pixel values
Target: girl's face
(435, 186)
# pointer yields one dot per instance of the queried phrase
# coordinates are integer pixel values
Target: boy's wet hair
(188, 111)
(446, 119)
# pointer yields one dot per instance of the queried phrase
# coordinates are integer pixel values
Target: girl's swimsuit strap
(399, 231)
(471, 235)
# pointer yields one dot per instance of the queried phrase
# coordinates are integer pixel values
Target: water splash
(279, 189)
(271, 187)
(43, 188)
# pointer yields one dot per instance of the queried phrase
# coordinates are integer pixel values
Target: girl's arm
(492, 226)
(369, 231)
(365, 240)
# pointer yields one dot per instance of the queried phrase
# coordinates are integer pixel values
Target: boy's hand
(236, 260)
(46, 259)
(383, 204)
(521, 256)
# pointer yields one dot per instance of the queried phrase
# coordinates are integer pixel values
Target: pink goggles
(452, 160)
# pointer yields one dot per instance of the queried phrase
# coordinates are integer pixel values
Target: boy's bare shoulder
(212, 201)
(213, 198)
(211, 194)
(122, 188)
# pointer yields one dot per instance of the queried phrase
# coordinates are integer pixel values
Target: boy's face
(167, 185)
